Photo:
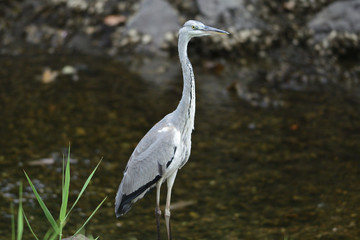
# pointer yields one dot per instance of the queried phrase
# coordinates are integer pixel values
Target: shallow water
(256, 171)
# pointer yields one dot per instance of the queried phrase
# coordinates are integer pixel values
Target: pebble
(68, 70)
(146, 39)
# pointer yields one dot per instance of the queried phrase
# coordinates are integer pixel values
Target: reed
(55, 226)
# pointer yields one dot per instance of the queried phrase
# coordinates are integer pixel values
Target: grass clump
(56, 226)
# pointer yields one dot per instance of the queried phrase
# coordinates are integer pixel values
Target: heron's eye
(193, 27)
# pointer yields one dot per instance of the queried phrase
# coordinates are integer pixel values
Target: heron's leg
(157, 209)
(170, 183)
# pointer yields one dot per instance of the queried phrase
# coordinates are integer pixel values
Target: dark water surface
(286, 171)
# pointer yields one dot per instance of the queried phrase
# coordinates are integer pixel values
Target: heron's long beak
(212, 30)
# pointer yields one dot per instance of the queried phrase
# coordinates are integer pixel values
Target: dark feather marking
(160, 169)
(126, 200)
(169, 162)
(191, 84)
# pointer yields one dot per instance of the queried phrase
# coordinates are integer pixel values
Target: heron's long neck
(186, 107)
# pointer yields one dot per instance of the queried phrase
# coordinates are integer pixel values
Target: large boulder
(154, 18)
(236, 13)
(340, 16)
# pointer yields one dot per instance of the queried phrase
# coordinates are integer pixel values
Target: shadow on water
(283, 170)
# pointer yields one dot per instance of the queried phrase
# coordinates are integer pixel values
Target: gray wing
(147, 164)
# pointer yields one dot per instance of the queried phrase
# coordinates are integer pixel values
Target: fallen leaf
(48, 76)
(114, 20)
(294, 127)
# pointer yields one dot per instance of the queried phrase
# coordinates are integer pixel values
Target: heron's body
(166, 147)
(164, 143)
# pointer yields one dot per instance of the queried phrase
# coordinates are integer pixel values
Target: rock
(77, 4)
(154, 18)
(68, 70)
(81, 43)
(77, 237)
(340, 16)
(233, 13)
(42, 162)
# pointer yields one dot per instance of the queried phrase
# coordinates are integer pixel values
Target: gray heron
(166, 147)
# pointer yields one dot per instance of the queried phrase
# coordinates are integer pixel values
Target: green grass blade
(92, 214)
(20, 220)
(29, 226)
(83, 188)
(54, 236)
(63, 173)
(46, 211)
(12, 221)
(65, 190)
(51, 235)
(48, 234)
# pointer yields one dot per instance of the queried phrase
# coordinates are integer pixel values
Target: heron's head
(194, 28)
